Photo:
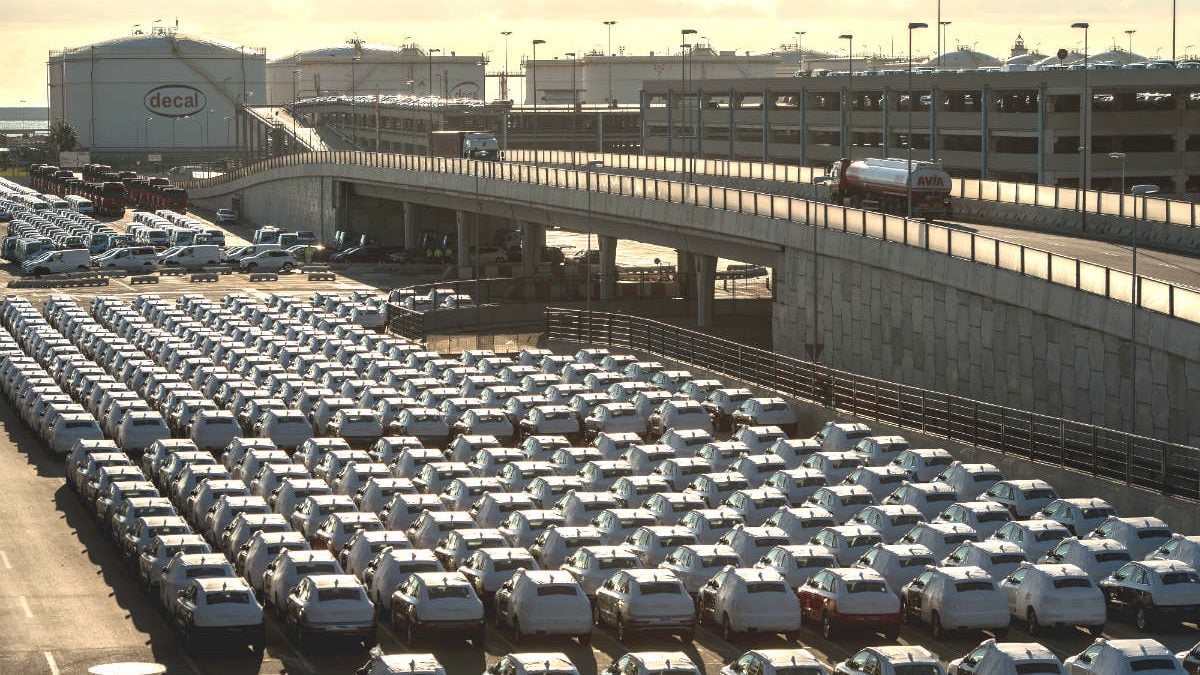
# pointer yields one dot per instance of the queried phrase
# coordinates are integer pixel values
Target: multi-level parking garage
(284, 342)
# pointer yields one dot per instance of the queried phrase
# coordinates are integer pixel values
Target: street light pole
(1120, 157)
(1129, 53)
(429, 85)
(943, 39)
(587, 259)
(848, 102)
(611, 102)
(939, 35)
(800, 46)
(908, 179)
(683, 108)
(1135, 299)
(504, 78)
(536, 122)
(1085, 140)
(353, 102)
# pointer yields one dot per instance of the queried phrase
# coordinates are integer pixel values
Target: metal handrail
(1152, 294)
(1168, 468)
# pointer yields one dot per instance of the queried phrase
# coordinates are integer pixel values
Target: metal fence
(1152, 294)
(1159, 210)
(1156, 465)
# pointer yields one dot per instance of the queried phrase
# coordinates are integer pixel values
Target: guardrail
(1151, 294)
(1159, 210)
(1169, 468)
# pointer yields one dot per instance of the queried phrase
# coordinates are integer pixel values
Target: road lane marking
(4, 559)
(51, 663)
(25, 607)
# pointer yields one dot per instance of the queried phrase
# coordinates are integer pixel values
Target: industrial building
(359, 68)
(598, 79)
(155, 92)
(1018, 126)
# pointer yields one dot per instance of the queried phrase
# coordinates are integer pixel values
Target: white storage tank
(160, 91)
(362, 69)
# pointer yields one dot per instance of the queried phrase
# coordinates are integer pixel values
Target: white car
(286, 570)
(1006, 658)
(880, 450)
(841, 436)
(997, 558)
(748, 600)
(891, 660)
(384, 574)
(652, 663)
(1098, 557)
(1117, 657)
(891, 521)
(220, 609)
(1153, 593)
(637, 602)
(1080, 516)
(755, 505)
(939, 538)
(970, 481)
(848, 542)
(183, 567)
(800, 523)
(1049, 595)
(955, 599)
(593, 565)
(364, 546)
(923, 464)
(1141, 536)
(843, 501)
(533, 663)
(985, 517)
(330, 605)
(798, 484)
(796, 661)
(226, 216)
(271, 260)
(437, 601)
(1035, 537)
(1185, 549)
(540, 603)
(898, 564)
(255, 555)
(696, 564)
(1023, 498)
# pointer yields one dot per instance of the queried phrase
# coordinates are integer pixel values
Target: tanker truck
(882, 185)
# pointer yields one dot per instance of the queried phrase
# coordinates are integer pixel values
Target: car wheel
(935, 626)
(827, 628)
(285, 267)
(251, 267)
(727, 632)
(1143, 619)
(622, 636)
(1031, 623)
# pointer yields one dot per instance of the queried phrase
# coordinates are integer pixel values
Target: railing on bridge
(1159, 210)
(1106, 453)
(1151, 294)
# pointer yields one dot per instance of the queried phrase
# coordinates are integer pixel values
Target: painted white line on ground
(51, 663)
(4, 559)
(25, 607)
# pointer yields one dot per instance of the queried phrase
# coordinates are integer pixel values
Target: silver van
(193, 257)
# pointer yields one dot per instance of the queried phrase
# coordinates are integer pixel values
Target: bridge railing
(1151, 294)
(1158, 210)
(1167, 468)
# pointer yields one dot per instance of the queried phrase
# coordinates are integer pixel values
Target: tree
(63, 136)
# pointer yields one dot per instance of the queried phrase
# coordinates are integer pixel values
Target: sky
(32, 28)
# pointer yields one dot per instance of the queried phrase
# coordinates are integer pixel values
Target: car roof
(788, 657)
(995, 546)
(855, 573)
(1137, 647)
(445, 578)
(333, 580)
(546, 660)
(412, 554)
(757, 574)
(913, 653)
(1165, 565)
(651, 575)
(905, 550)
(549, 576)
(212, 584)
(412, 663)
(963, 572)
(662, 659)
(1023, 651)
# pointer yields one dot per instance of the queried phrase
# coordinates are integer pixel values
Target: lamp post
(1174, 15)
(611, 101)
(800, 46)
(1085, 140)
(429, 85)
(1135, 299)
(574, 102)
(1120, 157)
(295, 98)
(1129, 52)
(536, 123)
(908, 180)
(683, 108)
(504, 77)
(353, 102)
(939, 35)
(847, 104)
(943, 39)
(587, 260)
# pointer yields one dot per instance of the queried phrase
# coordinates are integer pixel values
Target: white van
(81, 204)
(236, 254)
(193, 257)
(56, 262)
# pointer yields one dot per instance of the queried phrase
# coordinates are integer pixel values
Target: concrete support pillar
(887, 121)
(683, 271)
(933, 124)
(464, 222)
(706, 274)
(608, 267)
(1043, 146)
(411, 234)
(533, 242)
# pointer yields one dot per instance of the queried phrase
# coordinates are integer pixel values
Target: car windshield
(344, 593)
(974, 585)
(1002, 558)
(1141, 665)
(848, 500)
(766, 502)
(1154, 533)
(510, 564)
(766, 587)
(205, 571)
(315, 567)
(1038, 667)
(449, 591)
(227, 597)
(1172, 578)
(815, 561)
(670, 541)
(1097, 512)
(865, 586)
(719, 560)
(1113, 556)
(992, 516)
(1073, 582)
(917, 669)
(660, 588)
(906, 519)
(768, 542)
(556, 589)
(1039, 493)
(959, 537)
(916, 562)
(863, 540)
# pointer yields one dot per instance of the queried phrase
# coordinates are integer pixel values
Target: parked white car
(1117, 657)
(1042, 596)
(776, 662)
(637, 602)
(277, 260)
(1080, 516)
(955, 599)
(1099, 558)
(1141, 536)
(749, 600)
(897, 563)
(1006, 658)
(542, 603)
(330, 605)
(437, 601)
(1023, 498)
(997, 558)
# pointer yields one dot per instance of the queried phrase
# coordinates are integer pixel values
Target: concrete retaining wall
(928, 320)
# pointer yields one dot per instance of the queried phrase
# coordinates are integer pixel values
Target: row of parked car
(432, 531)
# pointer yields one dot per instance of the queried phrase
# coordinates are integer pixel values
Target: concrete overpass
(881, 295)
